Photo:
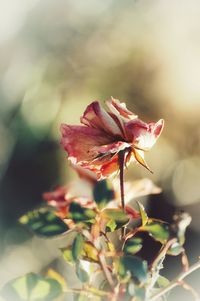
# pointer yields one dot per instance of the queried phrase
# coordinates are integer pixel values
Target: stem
(85, 291)
(105, 270)
(121, 157)
(162, 253)
(102, 260)
(156, 265)
(189, 288)
(184, 261)
(176, 282)
(131, 233)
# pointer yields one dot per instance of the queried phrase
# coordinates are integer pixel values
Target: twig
(176, 282)
(162, 253)
(105, 270)
(157, 263)
(131, 233)
(85, 291)
(193, 268)
(191, 289)
(102, 260)
(184, 261)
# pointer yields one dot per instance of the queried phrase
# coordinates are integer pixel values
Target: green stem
(105, 270)
(156, 265)
(176, 282)
(85, 291)
(102, 261)
(162, 253)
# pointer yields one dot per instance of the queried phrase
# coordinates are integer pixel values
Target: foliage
(126, 273)
(32, 287)
(108, 237)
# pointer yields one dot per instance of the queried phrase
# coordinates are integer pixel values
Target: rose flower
(96, 144)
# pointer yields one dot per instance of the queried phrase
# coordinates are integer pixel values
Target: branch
(162, 253)
(176, 282)
(102, 261)
(105, 270)
(86, 291)
(191, 289)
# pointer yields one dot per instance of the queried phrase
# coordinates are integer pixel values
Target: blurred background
(56, 58)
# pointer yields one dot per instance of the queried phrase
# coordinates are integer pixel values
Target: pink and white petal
(95, 116)
(85, 174)
(156, 128)
(120, 109)
(144, 135)
(121, 124)
(147, 139)
(140, 188)
(79, 141)
(111, 148)
(105, 167)
(60, 195)
(85, 202)
(134, 128)
(110, 168)
(135, 189)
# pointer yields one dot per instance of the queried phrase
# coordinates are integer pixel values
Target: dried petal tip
(119, 108)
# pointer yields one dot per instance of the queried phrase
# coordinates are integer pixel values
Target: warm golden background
(57, 57)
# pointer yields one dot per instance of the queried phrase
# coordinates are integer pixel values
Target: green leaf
(116, 218)
(143, 214)
(80, 214)
(32, 287)
(158, 230)
(111, 225)
(77, 246)
(83, 297)
(133, 245)
(104, 286)
(131, 289)
(116, 214)
(111, 246)
(140, 293)
(90, 252)
(176, 249)
(43, 223)
(81, 273)
(103, 193)
(51, 273)
(134, 266)
(162, 282)
(67, 255)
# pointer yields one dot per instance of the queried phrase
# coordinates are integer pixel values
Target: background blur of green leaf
(57, 57)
